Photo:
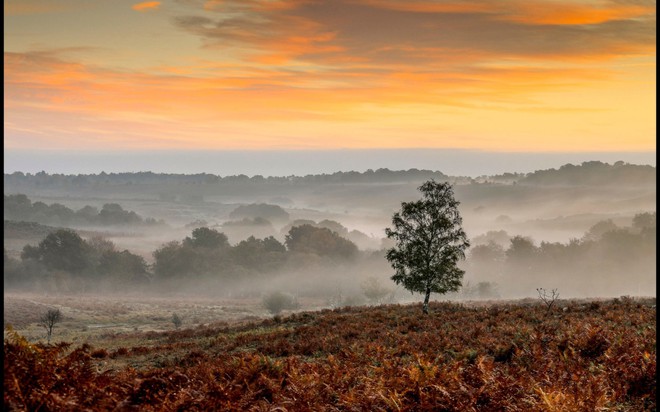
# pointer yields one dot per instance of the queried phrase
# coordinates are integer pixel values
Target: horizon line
(451, 162)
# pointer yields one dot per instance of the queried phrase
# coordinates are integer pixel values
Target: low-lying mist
(587, 231)
(316, 263)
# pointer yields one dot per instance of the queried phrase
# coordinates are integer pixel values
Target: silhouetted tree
(521, 254)
(172, 259)
(49, 319)
(259, 254)
(596, 231)
(204, 253)
(124, 266)
(486, 260)
(273, 213)
(319, 240)
(429, 242)
(114, 214)
(63, 250)
(207, 238)
(643, 221)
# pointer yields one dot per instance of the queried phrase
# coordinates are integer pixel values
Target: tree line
(607, 255)
(593, 173)
(64, 260)
(606, 258)
(19, 207)
(588, 173)
(43, 179)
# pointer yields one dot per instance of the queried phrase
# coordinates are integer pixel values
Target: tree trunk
(425, 308)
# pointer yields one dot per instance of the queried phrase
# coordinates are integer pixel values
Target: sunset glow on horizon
(541, 76)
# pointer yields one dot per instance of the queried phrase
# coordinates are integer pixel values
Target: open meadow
(124, 354)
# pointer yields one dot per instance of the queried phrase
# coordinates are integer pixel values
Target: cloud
(400, 32)
(391, 69)
(574, 13)
(146, 5)
(224, 92)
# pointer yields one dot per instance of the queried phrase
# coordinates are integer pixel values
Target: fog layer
(586, 230)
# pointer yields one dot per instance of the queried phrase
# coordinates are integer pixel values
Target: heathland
(523, 356)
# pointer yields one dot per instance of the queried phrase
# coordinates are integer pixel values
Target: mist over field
(587, 230)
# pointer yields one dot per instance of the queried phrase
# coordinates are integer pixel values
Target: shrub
(49, 319)
(176, 320)
(276, 302)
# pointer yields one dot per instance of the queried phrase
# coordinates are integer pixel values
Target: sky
(514, 76)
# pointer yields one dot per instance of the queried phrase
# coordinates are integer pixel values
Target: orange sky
(304, 74)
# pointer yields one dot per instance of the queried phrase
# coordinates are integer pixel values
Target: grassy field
(578, 356)
(92, 318)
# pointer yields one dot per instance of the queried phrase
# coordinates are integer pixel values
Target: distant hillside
(593, 173)
(44, 179)
(587, 173)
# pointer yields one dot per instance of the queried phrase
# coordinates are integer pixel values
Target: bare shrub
(49, 319)
(548, 298)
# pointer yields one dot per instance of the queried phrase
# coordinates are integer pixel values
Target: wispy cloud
(358, 73)
(146, 5)
(392, 31)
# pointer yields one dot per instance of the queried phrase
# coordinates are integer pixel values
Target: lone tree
(49, 319)
(429, 242)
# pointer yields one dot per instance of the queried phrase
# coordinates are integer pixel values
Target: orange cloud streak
(432, 6)
(523, 11)
(58, 86)
(146, 5)
(565, 13)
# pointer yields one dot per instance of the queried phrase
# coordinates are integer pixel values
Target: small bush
(276, 302)
(49, 319)
(176, 320)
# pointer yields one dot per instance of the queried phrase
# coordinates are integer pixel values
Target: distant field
(91, 318)
(580, 355)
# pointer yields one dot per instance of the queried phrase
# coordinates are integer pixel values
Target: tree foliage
(207, 238)
(262, 255)
(63, 250)
(319, 240)
(19, 207)
(429, 242)
(273, 213)
(173, 259)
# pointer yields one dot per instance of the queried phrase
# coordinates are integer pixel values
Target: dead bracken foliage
(388, 358)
